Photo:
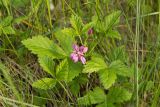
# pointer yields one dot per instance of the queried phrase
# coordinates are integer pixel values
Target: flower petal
(83, 49)
(83, 60)
(74, 57)
(75, 47)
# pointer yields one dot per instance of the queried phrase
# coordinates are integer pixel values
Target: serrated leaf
(77, 82)
(113, 34)
(94, 65)
(74, 69)
(82, 79)
(6, 21)
(47, 64)
(112, 19)
(107, 78)
(118, 95)
(8, 30)
(99, 25)
(118, 53)
(120, 68)
(131, 3)
(43, 46)
(68, 70)
(75, 88)
(62, 70)
(65, 39)
(76, 23)
(92, 97)
(44, 83)
(106, 24)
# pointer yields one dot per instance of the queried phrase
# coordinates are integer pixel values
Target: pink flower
(90, 31)
(78, 53)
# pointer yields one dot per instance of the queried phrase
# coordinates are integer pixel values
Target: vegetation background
(137, 37)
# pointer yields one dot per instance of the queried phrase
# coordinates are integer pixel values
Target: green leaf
(131, 3)
(65, 39)
(39, 100)
(105, 104)
(118, 95)
(87, 27)
(7, 21)
(112, 19)
(62, 70)
(120, 68)
(69, 32)
(76, 23)
(149, 85)
(94, 65)
(8, 30)
(106, 24)
(146, 8)
(20, 19)
(5, 26)
(93, 97)
(67, 70)
(113, 34)
(99, 25)
(75, 88)
(77, 82)
(74, 69)
(47, 64)
(118, 53)
(43, 46)
(107, 78)
(44, 83)
(20, 3)
(82, 79)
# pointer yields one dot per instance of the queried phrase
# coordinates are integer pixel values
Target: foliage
(93, 97)
(42, 46)
(115, 64)
(67, 70)
(5, 26)
(44, 83)
(97, 96)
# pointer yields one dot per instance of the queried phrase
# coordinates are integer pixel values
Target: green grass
(139, 28)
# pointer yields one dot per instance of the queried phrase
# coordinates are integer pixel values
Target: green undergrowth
(122, 60)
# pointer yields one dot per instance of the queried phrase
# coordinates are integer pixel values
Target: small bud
(90, 31)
